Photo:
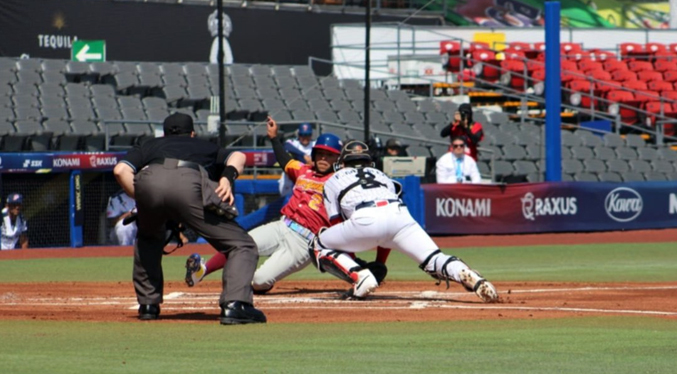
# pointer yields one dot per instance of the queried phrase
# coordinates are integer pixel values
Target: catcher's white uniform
(374, 216)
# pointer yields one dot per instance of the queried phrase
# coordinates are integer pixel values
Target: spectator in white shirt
(456, 166)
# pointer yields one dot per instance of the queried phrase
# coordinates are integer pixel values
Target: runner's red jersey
(306, 205)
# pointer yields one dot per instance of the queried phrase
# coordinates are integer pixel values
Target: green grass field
(564, 345)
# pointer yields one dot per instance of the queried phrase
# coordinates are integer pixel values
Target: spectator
(120, 206)
(14, 226)
(465, 127)
(300, 150)
(395, 149)
(456, 166)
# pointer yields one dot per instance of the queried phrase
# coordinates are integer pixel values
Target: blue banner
(549, 207)
(57, 162)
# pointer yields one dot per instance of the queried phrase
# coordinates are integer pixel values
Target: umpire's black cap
(178, 124)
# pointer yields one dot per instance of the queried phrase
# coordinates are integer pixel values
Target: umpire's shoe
(149, 312)
(238, 313)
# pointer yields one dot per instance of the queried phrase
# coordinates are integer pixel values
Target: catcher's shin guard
(446, 268)
(338, 264)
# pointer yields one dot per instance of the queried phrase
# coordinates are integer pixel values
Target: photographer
(464, 127)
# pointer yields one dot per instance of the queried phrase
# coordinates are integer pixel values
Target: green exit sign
(89, 50)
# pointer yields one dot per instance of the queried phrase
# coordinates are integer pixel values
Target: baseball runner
(175, 178)
(286, 241)
(367, 202)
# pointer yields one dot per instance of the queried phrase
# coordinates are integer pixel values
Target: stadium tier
(58, 105)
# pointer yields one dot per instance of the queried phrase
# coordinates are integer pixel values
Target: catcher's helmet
(355, 154)
(327, 142)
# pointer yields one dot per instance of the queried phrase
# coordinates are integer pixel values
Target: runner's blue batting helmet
(328, 142)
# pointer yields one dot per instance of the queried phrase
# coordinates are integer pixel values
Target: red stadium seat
(538, 76)
(639, 66)
(599, 75)
(659, 85)
(533, 65)
(569, 75)
(649, 75)
(453, 53)
(579, 56)
(520, 46)
(584, 88)
(666, 56)
(635, 85)
(602, 56)
(654, 48)
(630, 50)
(613, 65)
(514, 54)
(647, 95)
(628, 111)
(663, 65)
(478, 46)
(539, 46)
(568, 65)
(604, 86)
(513, 74)
(654, 108)
(569, 48)
(488, 66)
(670, 94)
(587, 65)
(623, 76)
(670, 76)
(672, 47)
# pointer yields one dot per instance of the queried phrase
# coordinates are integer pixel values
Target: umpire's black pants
(163, 193)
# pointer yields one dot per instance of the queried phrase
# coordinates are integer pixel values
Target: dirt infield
(319, 301)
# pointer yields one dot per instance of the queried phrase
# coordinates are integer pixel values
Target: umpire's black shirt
(181, 147)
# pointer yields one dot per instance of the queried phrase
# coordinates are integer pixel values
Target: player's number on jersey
(367, 179)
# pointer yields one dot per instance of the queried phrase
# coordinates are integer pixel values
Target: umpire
(173, 179)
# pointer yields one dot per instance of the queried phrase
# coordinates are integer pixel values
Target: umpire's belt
(173, 163)
(297, 228)
(377, 203)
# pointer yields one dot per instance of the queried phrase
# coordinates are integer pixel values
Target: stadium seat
(660, 86)
(653, 48)
(594, 166)
(632, 176)
(637, 66)
(670, 76)
(631, 50)
(649, 75)
(610, 177)
(585, 177)
(613, 65)
(664, 65)
(601, 55)
(623, 75)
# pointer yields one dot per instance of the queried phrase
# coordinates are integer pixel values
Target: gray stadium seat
(535, 178)
(193, 68)
(8, 64)
(514, 152)
(639, 166)
(589, 139)
(54, 112)
(534, 151)
(632, 176)
(594, 166)
(418, 151)
(604, 153)
(406, 105)
(173, 68)
(613, 140)
(30, 77)
(174, 80)
(174, 94)
(327, 115)
(38, 139)
(7, 78)
(618, 166)
(488, 151)
(663, 166)
(77, 72)
(347, 116)
(571, 166)
(23, 101)
(655, 176)
(53, 77)
(25, 113)
(12, 142)
(157, 114)
(648, 154)
(667, 154)
(93, 138)
(566, 152)
(582, 153)
(610, 177)
(25, 89)
(524, 167)
(585, 177)
(63, 137)
(30, 64)
(626, 153)
(634, 140)
(503, 169)
(569, 139)
(303, 115)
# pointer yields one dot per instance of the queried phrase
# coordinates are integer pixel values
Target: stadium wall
(136, 31)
